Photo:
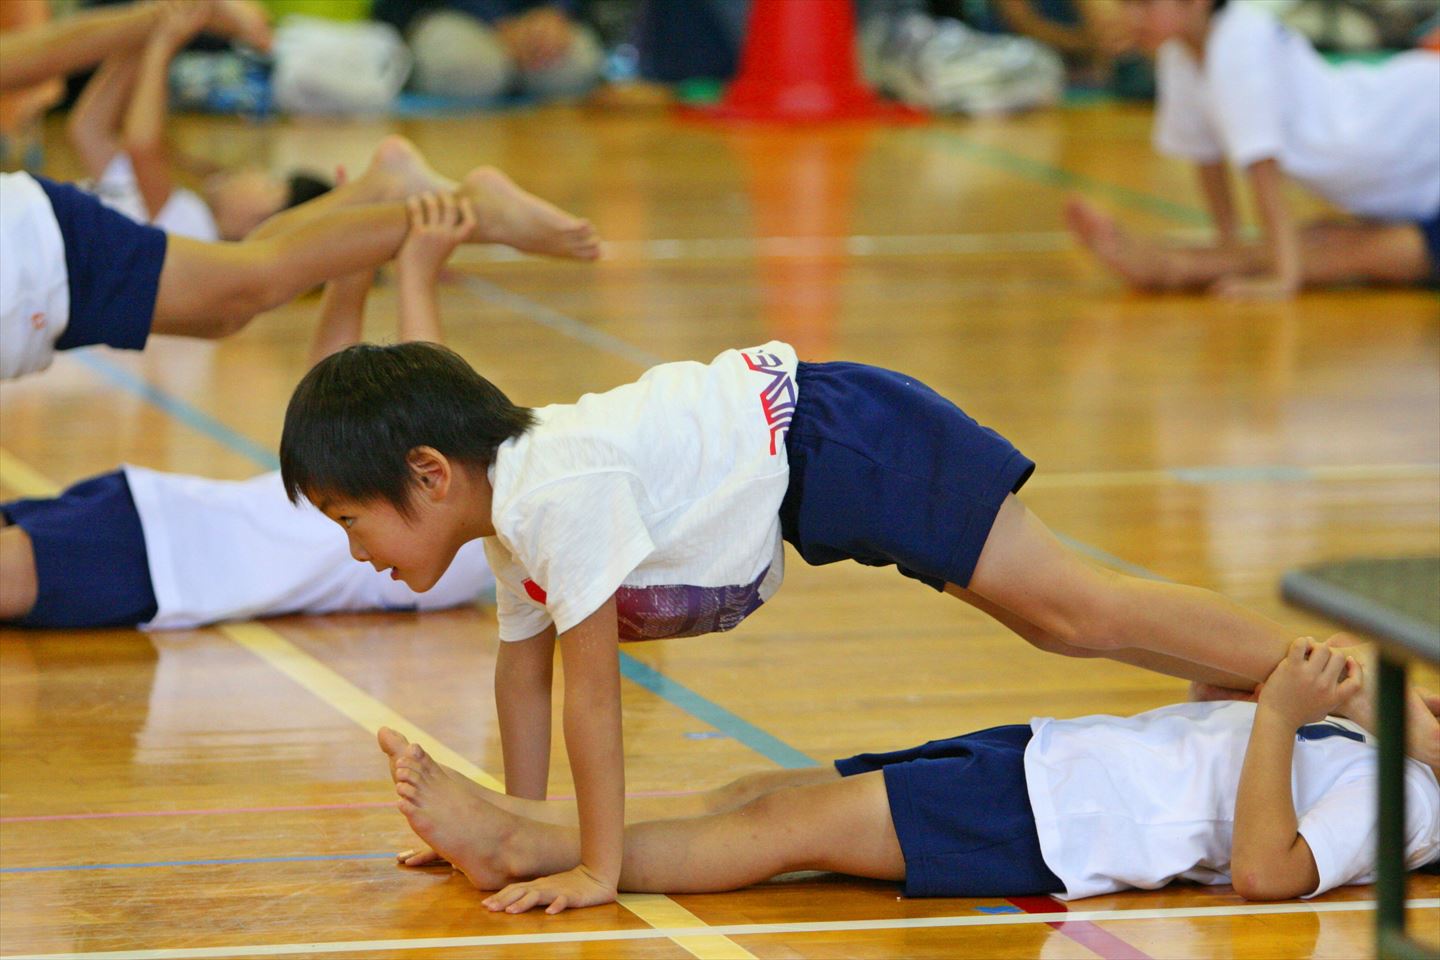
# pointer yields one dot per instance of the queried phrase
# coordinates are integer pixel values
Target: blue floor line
(179, 409)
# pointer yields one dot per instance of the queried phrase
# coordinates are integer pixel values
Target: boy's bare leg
(1331, 252)
(505, 213)
(1025, 569)
(214, 289)
(19, 585)
(1197, 673)
(840, 824)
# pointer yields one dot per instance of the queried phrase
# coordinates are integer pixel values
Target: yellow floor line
(19, 477)
(656, 910)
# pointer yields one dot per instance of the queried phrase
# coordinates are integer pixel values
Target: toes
(392, 742)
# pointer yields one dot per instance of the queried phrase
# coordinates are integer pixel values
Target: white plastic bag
(337, 67)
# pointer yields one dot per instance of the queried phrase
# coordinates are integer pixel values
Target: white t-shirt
(1124, 802)
(34, 284)
(236, 550)
(1366, 137)
(184, 213)
(665, 492)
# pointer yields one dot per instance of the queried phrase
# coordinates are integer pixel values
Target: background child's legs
(1026, 570)
(18, 584)
(1331, 252)
(1350, 251)
(214, 289)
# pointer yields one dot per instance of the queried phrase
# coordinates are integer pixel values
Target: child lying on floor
(1275, 797)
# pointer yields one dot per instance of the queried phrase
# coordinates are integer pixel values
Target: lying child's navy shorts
(90, 559)
(114, 270)
(962, 813)
(885, 470)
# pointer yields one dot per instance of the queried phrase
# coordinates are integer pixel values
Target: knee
(457, 55)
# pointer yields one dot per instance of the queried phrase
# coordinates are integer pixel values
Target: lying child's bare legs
(1026, 570)
(1331, 252)
(823, 822)
(734, 794)
(19, 585)
(505, 213)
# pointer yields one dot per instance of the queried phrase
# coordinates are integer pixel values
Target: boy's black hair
(356, 416)
(304, 187)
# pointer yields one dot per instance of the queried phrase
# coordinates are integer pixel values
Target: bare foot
(522, 220)
(404, 161)
(394, 744)
(480, 839)
(1101, 234)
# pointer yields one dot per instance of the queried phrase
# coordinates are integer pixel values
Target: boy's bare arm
(144, 131)
(342, 314)
(1269, 858)
(524, 674)
(1215, 186)
(591, 651)
(439, 222)
(1282, 239)
(94, 122)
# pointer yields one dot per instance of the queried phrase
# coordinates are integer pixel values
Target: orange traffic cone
(799, 65)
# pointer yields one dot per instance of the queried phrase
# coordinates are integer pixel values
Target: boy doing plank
(660, 509)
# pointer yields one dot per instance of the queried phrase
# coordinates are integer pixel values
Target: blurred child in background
(118, 129)
(1237, 87)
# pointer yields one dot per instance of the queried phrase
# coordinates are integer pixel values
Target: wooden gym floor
(217, 793)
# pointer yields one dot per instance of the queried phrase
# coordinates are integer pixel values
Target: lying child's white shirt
(1364, 136)
(234, 550)
(665, 492)
(1139, 801)
(34, 283)
(184, 213)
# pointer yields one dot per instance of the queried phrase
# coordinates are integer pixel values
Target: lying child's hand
(439, 222)
(1313, 681)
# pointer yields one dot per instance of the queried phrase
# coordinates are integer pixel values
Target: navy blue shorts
(885, 470)
(1430, 229)
(963, 816)
(90, 559)
(114, 266)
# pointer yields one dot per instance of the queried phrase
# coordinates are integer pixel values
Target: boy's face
(1155, 22)
(416, 550)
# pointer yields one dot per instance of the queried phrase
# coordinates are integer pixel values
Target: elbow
(142, 148)
(1252, 883)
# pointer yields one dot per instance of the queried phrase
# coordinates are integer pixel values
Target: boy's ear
(431, 470)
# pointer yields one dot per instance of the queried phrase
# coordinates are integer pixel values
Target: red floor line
(1091, 936)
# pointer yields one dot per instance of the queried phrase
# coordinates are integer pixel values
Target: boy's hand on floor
(573, 888)
(1313, 681)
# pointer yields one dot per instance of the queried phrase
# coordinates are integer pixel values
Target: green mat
(1394, 598)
